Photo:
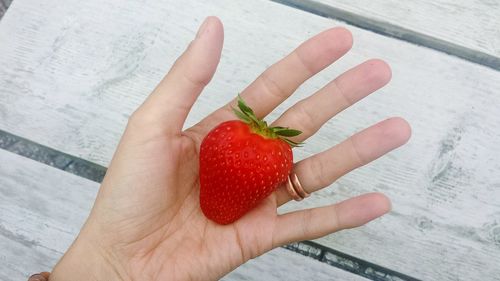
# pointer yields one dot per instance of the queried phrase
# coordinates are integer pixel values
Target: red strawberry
(241, 163)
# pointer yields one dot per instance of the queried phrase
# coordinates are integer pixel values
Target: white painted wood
(71, 83)
(280, 264)
(470, 23)
(41, 213)
(43, 209)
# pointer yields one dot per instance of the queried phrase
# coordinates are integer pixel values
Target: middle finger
(280, 80)
(321, 170)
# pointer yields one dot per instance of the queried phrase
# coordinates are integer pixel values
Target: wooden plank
(469, 23)
(71, 84)
(280, 264)
(43, 209)
(385, 28)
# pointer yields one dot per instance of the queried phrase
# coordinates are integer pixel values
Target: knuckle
(304, 63)
(135, 118)
(342, 93)
(306, 118)
(360, 159)
(271, 86)
(197, 80)
(318, 169)
(305, 221)
(139, 118)
(336, 224)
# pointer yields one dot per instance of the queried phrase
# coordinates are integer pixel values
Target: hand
(146, 223)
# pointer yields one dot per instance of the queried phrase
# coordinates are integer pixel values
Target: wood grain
(43, 209)
(72, 83)
(469, 23)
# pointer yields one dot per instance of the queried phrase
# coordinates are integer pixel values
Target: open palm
(147, 223)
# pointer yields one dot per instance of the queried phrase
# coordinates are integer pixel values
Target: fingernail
(202, 28)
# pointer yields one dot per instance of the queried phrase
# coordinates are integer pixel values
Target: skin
(146, 223)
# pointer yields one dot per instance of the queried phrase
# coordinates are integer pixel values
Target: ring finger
(326, 167)
(308, 115)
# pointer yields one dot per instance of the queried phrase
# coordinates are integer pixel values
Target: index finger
(168, 105)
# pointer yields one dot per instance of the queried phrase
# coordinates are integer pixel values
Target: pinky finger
(317, 222)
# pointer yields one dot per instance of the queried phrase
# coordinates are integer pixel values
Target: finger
(311, 113)
(314, 223)
(326, 167)
(280, 80)
(169, 104)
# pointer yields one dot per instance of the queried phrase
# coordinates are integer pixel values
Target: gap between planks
(95, 172)
(4, 5)
(394, 31)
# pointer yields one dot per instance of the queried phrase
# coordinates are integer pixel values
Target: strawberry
(241, 163)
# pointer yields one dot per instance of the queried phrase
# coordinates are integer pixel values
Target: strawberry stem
(258, 126)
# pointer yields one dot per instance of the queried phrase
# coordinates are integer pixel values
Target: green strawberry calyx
(258, 126)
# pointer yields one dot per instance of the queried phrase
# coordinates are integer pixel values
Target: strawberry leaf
(286, 132)
(242, 116)
(292, 143)
(246, 114)
(245, 109)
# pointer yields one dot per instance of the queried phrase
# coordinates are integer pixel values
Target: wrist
(84, 261)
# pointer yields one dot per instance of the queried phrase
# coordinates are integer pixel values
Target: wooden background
(71, 75)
